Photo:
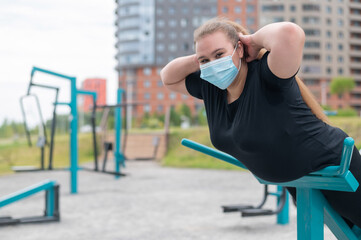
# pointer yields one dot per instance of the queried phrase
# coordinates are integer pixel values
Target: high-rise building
(98, 85)
(332, 47)
(150, 33)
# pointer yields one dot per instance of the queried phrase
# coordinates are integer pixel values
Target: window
(160, 35)
(225, 10)
(328, 46)
(340, 71)
(311, 57)
(146, 83)
(312, 32)
(160, 96)
(160, 23)
(311, 69)
(172, 96)
(340, 59)
(159, 83)
(340, 11)
(250, 8)
(250, 21)
(171, 11)
(340, 22)
(172, 47)
(183, 22)
(172, 35)
(340, 35)
(185, 10)
(311, 7)
(146, 96)
(311, 20)
(185, 46)
(329, 34)
(147, 71)
(328, 21)
(147, 108)
(340, 46)
(312, 44)
(160, 47)
(329, 58)
(237, 9)
(328, 9)
(270, 8)
(293, 8)
(160, 108)
(172, 23)
(329, 70)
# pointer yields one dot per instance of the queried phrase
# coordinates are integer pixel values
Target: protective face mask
(220, 72)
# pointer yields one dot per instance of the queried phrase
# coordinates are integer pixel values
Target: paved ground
(152, 203)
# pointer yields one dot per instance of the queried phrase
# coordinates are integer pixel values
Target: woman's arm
(174, 73)
(285, 42)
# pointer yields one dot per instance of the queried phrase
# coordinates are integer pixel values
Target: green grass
(18, 153)
(180, 156)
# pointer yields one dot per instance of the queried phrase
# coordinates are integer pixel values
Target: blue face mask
(220, 72)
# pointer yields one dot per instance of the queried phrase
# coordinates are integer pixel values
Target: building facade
(98, 85)
(332, 47)
(153, 32)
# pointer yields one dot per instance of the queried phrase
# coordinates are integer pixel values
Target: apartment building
(98, 85)
(153, 32)
(333, 43)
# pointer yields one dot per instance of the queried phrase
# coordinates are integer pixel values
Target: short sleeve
(194, 84)
(271, 79)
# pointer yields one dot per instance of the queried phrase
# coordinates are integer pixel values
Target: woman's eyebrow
(211, 53)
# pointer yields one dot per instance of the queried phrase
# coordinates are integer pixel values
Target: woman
(258, 110)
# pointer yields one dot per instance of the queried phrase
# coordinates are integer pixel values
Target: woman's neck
(236, 88)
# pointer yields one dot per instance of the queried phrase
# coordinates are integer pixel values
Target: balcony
(355, 65)
(355, 29)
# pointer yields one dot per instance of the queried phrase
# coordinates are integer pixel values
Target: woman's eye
(218, 55)
(203, 61)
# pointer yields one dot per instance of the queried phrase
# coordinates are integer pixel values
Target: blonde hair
(231, 30)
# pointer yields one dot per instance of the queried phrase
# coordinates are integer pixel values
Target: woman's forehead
(210, 42)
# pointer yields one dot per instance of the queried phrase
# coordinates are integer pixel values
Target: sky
(72, 37)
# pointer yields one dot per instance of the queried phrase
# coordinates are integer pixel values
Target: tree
(342, 85)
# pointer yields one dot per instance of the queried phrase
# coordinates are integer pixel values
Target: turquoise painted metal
(118, 154)
(73, 125)
(282, 217)
(26, 192)
(313, 210)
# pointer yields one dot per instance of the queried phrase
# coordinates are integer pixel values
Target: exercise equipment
(74, 92)
(313, 210)
(42, 140)
(258, 210)
(51, 213)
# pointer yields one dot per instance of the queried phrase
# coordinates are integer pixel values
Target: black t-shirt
(269, 128)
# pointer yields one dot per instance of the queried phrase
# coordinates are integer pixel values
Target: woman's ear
(240, 49)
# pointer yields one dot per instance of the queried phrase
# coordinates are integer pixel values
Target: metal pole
(73, 138)
(118, 155)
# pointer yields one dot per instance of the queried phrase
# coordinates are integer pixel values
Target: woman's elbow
(294, 34)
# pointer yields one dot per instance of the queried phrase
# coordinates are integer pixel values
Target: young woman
(258, 111)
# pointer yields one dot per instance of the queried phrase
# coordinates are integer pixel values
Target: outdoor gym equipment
(51, 212)
(42, 139)
(313, 210)
(281, 211)
(74, 126)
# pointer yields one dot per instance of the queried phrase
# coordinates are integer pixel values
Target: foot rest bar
(26, 192)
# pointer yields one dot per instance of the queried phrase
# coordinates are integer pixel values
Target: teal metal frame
(118, 154)
(51, 212)
(119, 157)
(313, 210)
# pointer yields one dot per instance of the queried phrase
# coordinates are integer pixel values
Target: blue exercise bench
(313, 210)
(51, 212)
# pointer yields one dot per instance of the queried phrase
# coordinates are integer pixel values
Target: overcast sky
(73, 37)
